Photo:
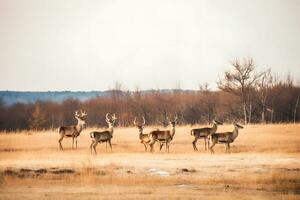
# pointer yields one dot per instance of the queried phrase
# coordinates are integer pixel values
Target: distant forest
(245, 95)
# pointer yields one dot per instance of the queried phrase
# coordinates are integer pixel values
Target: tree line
(244, 95)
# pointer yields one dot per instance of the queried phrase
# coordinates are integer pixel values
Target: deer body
(163, 136)
(225, 138)
(204, 133)
(144, 138)
(103, 136)
(72, 131)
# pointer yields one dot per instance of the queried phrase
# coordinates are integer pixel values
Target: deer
(105, 135)
(72, 131)
(163, 136)
(204, 133)
(144, 138)
(226, 138)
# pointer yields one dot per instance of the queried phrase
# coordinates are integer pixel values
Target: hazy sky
(89, 45)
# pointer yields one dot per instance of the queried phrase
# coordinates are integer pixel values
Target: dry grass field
(264, 163)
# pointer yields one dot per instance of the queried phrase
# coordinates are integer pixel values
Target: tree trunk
(272, 113)
(263, 114)
(250, 112)
(296, 108)
(245, 113)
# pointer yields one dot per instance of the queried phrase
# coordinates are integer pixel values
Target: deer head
(140, 126)
(217, 122)
(80, 116)
(173, 123)
(236, 125)
(110, 122)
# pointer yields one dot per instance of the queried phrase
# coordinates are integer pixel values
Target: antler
(167, 118)
(83, 113)
(107, 119)
(134, 122)
(77, 114)
(176, 118)
(114, 117)
(144, 121)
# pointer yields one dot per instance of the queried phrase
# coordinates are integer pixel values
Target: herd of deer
(163, 137)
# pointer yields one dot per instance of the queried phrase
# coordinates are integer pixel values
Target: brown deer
(144, 138)
(72, 131)
(105, 135)
(225, 138)
(163, 136)
(204, 133)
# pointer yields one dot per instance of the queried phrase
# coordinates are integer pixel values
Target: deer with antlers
(105, 135)
(144, 138)
(163, 136)
(204, 133)
(72, 131)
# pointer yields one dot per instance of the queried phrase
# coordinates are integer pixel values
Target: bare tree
(264, 87)
(241, 81)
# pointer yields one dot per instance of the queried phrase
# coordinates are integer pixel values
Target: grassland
(264, 163)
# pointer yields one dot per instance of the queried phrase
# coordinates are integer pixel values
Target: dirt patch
(188, 170)
(25, 172)
(63, 171)
(10, 150)
(100, 173)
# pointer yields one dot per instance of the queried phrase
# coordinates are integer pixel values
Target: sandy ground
(264, 163)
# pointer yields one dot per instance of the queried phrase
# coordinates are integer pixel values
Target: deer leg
(228, 147)
(72, 142)
(211, 147)
(160, 146)
(94, 146)
(76, 142)
(91, 146)
(59, 141)
(145, 147)
(194, 144)
(106, 146)
(168, 147)
(205, 143)
(151, 145)
(109, 142)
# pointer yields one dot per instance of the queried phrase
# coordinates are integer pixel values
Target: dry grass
(264, 164)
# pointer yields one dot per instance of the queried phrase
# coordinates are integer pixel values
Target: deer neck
(214, 128)
(140, 134)
(79, 127)
(111, 129)
(235, 133)
(172, 132)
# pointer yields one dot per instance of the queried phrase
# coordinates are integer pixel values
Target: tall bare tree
(264, 87)
(241, 81)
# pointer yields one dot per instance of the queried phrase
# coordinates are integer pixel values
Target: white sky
(89, 45)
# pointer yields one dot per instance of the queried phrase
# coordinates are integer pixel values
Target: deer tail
(59, 129)
(192, 132)
(92, 134)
